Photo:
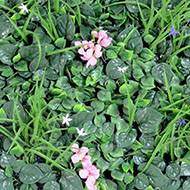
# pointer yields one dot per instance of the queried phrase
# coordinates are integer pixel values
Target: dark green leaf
(30, 174)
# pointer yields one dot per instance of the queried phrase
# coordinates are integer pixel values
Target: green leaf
(5, 26)
(17, 150)
(137, 70)
(174, 185)
(18, 165)
(147, 82)
(47, 173)
(112, 110)
(117, 175)
(132, 38)
(111, 185)
(66, 27)
(132, 87)
(111, 54)
(21, 66)
(28, 187)
(125, 139)
(185, 169)
(7, 184)
(2, 175)
(81, 117)
(87, 10)
(173, 171)
(70, 181)
(158, 72)
(112, 68)
(141, 181)
(51, 185)
(149, 118)
(2, 114)
(97, 105)
(147, 54)
(7, 72)
(104, 95)
(128, 178)
(30, 174)
(186, 184)
(158, 179)
(6, 159)
(101, 163)
(7, 51)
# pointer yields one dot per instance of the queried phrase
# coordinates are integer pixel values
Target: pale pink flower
(91, 54)
(91, 173)
(86, 161)
(80, 153)
(103, 39)
(91, 183)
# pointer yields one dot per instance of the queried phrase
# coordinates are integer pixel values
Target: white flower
(81, 132)
(23, 8)
(122, 69)
(66, 120)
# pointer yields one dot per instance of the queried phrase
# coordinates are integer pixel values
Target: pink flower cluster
(90, 51)
(89, 171)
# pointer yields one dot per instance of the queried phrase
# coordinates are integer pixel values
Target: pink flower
(91, 53)
(91, 183)
(86, 161)
(80, 153)
(103, 39)
(91, 173)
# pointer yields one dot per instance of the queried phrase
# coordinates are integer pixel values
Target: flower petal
(81, 51)
(105, 42)
(84, 58)
(77, 43)
(89, 53)
(83, 173)
(94, 171)
(102, 34)
(90, 183)
(84, 150)
(75, 148)
(75, 158)
(86, 161)
(94, 34)
(92, 61)
(98, 52)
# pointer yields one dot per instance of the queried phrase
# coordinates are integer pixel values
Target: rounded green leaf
(141, 181)
(173, 171)
(126, 139)
(51, 185)
(186, 185)
(70, 181)
(158, 72)
(30, 174)
(112, 68)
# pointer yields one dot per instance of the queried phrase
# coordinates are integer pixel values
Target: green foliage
(132, 118)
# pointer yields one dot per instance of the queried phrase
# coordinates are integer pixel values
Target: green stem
(62, 50)
(126, 2)
(54, 163)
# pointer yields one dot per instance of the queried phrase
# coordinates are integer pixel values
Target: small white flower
(122, 69)
(66, 120)
(23, 8)
(81, 132)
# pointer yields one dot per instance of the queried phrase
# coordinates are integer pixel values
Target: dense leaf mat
(136, 121)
